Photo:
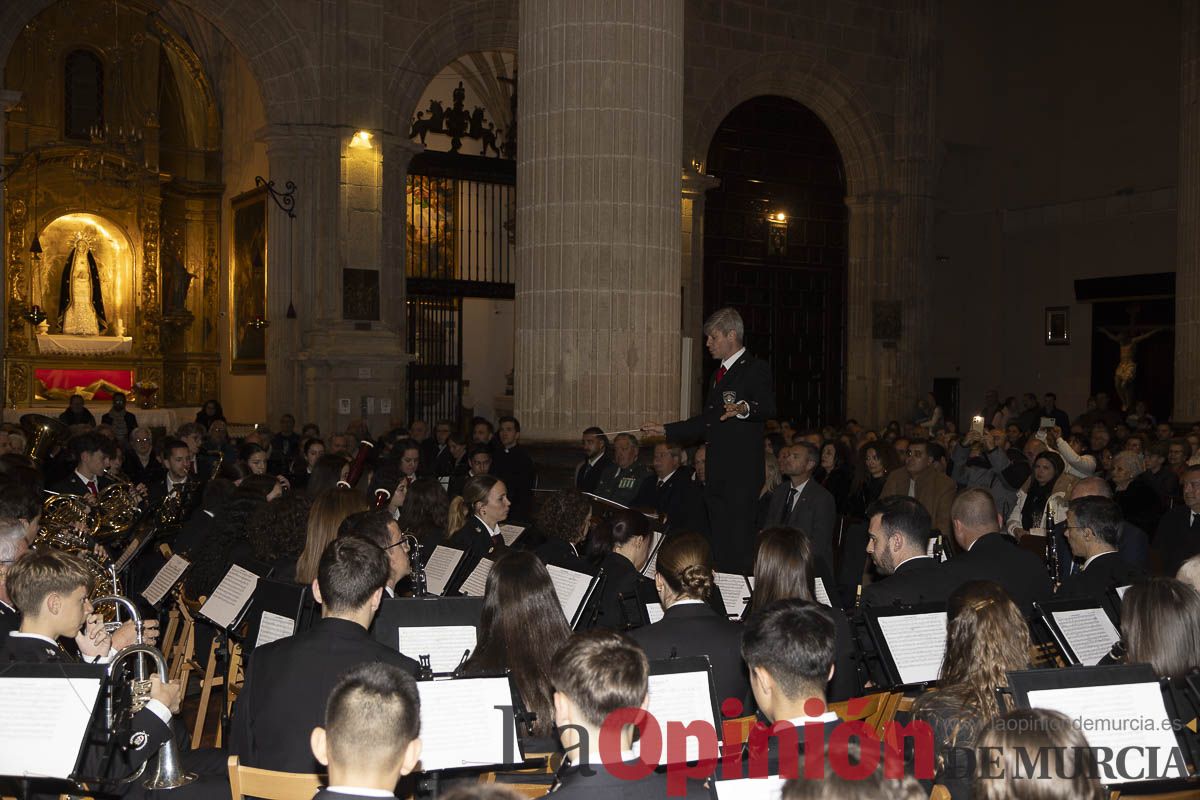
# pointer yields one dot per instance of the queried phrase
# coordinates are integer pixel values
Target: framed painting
(248, 284)
(1058, 325)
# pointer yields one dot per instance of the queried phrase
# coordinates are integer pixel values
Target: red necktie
(720, 374)
(91, 487)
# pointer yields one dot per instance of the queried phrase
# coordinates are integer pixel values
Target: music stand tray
(424, 612)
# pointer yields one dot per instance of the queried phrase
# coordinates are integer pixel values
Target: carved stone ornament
(151, 318)
(18, 384)
(18, 339)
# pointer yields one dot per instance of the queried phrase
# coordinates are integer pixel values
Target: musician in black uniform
(88, 478)
(595, 462)
(622, 541)
(478, 513)
(990, 555)
(671, 491)
(741, 397)
(176, 457)
(595, 674)
(289, 681)
(13, 545)
(563, 521)
(899, 530)
(378, 527)
(369, 738)
(1093, 533)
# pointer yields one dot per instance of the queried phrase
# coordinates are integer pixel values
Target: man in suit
(88, 478)
(177, 459)
(987, 554)
(512, 464)
(436, 458)
(380, 529)
(1133, 544)
(288, 682)
(899, 529)
(1093, 532)
(802, 503)
(595, 460)
(1178, 536)
(369, 737)
(596, 674)
(670, 491)
(931, 487)
(622, 479)
(741, 397)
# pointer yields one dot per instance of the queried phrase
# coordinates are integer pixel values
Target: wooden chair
(735, 732)
(528, 788)
(939, 793)
(250, 782)
(876, 710)
(212, 680)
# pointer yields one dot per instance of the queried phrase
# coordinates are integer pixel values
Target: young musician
(622, 542)
(380, 529)
(88, 478)
(475, 517)
(899, 531)
(370, 736)
(176, 459)
(289, 681)
(595, 674)
(563, 520)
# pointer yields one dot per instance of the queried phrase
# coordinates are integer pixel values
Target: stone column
(598, 215)
(695, 187)
(8, 99)
(874, 312)
(1187, 270)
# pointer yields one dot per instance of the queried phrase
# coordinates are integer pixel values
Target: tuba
(42, 434)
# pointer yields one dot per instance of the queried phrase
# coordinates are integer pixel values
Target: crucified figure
(1127, 366)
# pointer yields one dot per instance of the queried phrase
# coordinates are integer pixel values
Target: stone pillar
(598, 215)
(1187, 270)
(8, 99)
(874, 318)
(695, 187)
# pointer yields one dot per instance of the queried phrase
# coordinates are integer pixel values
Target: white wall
(487, 333)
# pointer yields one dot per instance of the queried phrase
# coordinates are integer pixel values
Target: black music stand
(686, 664)
(893, 671)
(423, 612)
(283, 600)
(157, 604)
(1048, 623)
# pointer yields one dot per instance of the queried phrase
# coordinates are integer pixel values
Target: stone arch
(261, 30)
(862, 139)
(482, 25)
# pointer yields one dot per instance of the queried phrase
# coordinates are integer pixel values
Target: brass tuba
(42, 434)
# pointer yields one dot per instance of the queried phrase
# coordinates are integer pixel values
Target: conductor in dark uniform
(741, 396)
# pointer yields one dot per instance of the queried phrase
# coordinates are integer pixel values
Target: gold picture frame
(248, 284)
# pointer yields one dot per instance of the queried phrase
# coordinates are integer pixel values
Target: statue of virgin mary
(80, 301)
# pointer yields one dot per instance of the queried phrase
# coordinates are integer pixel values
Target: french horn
(42, 435)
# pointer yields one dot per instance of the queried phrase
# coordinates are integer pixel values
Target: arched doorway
(775, 247)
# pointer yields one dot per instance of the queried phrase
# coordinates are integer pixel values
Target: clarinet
(1051, 547)
(420, 589)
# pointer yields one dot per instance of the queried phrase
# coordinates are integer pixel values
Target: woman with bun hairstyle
(620, 545)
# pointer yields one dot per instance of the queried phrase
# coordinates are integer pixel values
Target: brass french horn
(42, 434)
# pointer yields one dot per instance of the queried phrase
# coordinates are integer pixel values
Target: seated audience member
(1160, 626)
(700, 465)
(1133, 544)
(801, 502)
(689, 627)
(1189, 572)
(899, 546)
(424, 513)
(988, 554)
(1016, 737)
(227, 542)
(1093, 532)
(671, 492)
(324, 518)
(875, 461)
(1033, 499)
(370, 736)
(13, 545)
(1138, 501)
(521, 628)
(289, 681)
(475, 519)
(622, 480)
(596, 459)
(513, 465)
(932, 488)
(482, 432)
(836, 472)
(986, 637)
(50, 589)
(479, 462)
(378, 528)
(1160, 477)
(1177, 539)
(620, 545)
(141, 464)
(1179, 453)
(784, 570)
(978, 460)
(595, 674)
(563, 520)
(310, 452)
(76, 413)
(436, 458)
(209, 412)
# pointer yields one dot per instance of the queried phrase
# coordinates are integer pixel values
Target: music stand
(166, 579)
(1077, 627)
(280, 605)
(482, 731)
(902, 626)
(581, 588)
(450, 614)
(680, 676)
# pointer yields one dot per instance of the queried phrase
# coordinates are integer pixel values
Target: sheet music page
(444, 644)
(1121, 590)
(467, 729)
(735, 591)
(273, 627)
(654, 611)
(476, 583)
(683, 697)
(819, 591)
(230, 596)
(571, 588)
(768, 788)
(165, 579)
(1089, 633)
(440, 567)
(509, 533)
(652, 561)
(917, 643)
(45, 720)
(1126, 715)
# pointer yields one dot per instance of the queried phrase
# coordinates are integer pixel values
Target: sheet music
(682, 697)
(819, 591)
(735, 591)
(444, 644)
(654, 611)
(440, 568)
(917, 643)
(273, 627)
(45, 720)
(509, 533)
(467, 729)
(1089, 633)
(165, 579)
(656, 538)
(230, 596)
(1127, 715)
(571, 588)
(767, 788)
(476, 583)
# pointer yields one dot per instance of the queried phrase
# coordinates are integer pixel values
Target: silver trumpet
(168, 774)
